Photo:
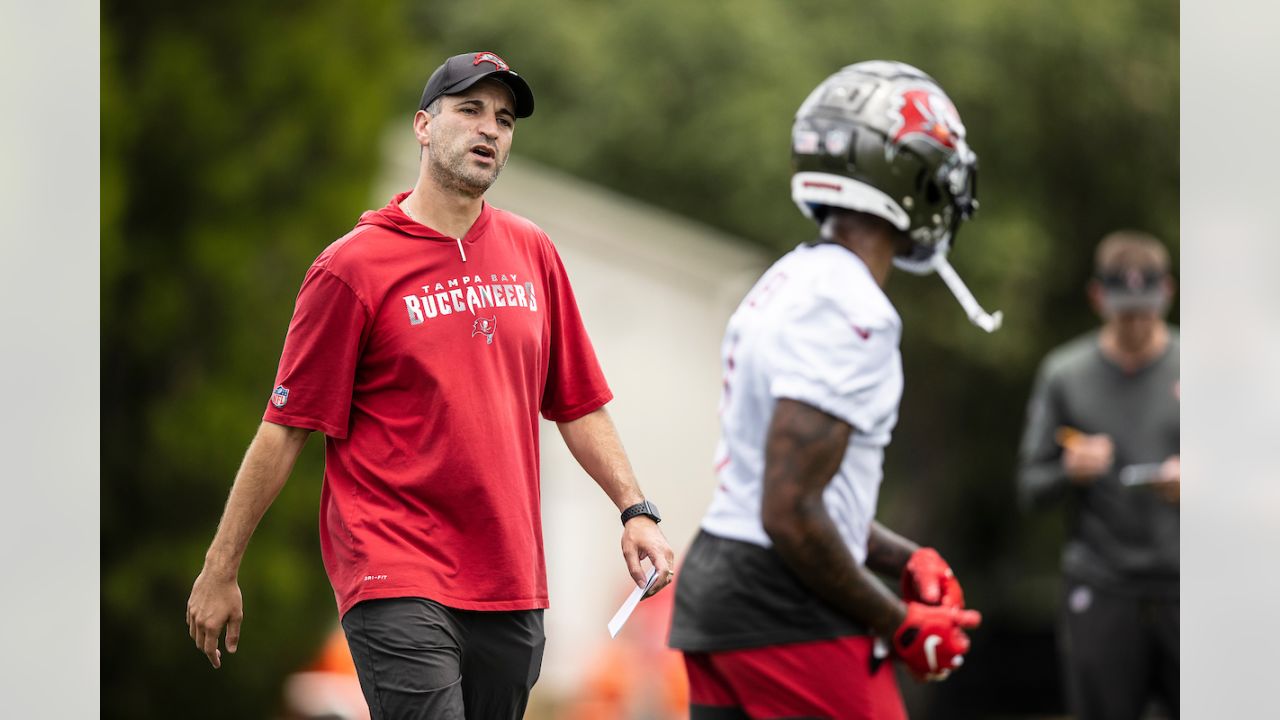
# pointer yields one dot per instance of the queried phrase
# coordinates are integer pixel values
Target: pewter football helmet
(883, 138)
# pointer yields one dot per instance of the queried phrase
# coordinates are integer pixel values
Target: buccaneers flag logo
(491, 58)
(921, 112)
(485, 326)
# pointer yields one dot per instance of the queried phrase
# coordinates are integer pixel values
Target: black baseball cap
(1132, 268)
(462, 71)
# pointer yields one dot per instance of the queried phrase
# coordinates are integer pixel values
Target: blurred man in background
(424, 344)
(1102, 437)
(778, 611)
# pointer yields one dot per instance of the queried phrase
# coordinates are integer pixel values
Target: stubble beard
(453, 172)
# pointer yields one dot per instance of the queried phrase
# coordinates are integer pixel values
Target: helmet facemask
(949, 200)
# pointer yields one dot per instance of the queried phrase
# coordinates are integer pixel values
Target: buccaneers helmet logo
(485, 326)
(920, 112)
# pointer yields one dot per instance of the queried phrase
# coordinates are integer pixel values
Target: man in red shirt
(424, 345)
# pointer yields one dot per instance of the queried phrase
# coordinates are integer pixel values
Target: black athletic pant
(1120, 651)
(417, 659)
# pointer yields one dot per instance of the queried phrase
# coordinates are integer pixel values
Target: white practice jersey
(816, 328)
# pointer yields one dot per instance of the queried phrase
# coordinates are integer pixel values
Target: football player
(778, 609)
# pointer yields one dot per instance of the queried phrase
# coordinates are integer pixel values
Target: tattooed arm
(802, 453)
(887, 551)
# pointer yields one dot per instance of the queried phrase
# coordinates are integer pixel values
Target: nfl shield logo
(280, 396)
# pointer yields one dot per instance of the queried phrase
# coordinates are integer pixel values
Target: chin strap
(977, 316)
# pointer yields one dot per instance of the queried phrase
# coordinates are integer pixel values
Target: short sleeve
(575, 384)
(318, 365)
(823, 358)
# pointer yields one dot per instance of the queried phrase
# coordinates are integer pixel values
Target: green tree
(238, 140)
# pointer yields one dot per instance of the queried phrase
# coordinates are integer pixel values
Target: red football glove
(928, 579)
(932, 641)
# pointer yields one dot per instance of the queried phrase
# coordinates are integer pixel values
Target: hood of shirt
(393, 218)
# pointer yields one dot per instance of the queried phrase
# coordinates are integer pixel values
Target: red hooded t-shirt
(427, 372)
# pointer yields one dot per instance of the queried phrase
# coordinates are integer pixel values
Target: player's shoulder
(1071, 355)
(839, 280)
(344, 255)
(1172, 359)
(518, 226)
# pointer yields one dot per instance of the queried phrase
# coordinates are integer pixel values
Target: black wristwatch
(643, 507)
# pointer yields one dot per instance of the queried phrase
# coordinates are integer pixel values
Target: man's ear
(1094, 291)
(422, 127)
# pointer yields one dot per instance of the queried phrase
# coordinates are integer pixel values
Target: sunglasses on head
(1130, 280)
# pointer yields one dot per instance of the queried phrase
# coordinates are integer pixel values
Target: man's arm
(887, 551)
(1041, 477)
(1170, 487)
(923, 575)
(593, 440)
(215, 600)
(802, 454)
(1055, 456)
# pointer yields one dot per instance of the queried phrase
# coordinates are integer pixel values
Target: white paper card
(1144, 474)
(624, 612)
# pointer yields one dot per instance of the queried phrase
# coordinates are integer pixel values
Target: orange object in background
(632, 676)
(327, 688)
(635, 675)
(335, 656)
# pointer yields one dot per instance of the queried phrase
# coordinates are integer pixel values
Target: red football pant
(822, 679)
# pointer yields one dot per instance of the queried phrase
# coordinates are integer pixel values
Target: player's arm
(215, 600)
(803, 451)
(887, 551)
(1170, 487)
(924, 576)
(594, 442)
(1041, 476)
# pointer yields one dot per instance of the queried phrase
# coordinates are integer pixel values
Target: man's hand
(932, 641)
(1170, 486)
(1085, 457)
(215, 600)
(641, 538)
(928, 579)
(215, 603)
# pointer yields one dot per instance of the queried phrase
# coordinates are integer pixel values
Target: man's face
(1135, 328)
(470, 139)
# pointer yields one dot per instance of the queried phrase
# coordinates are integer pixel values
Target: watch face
(642, 508)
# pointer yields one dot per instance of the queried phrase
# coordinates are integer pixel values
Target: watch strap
(643, 507)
